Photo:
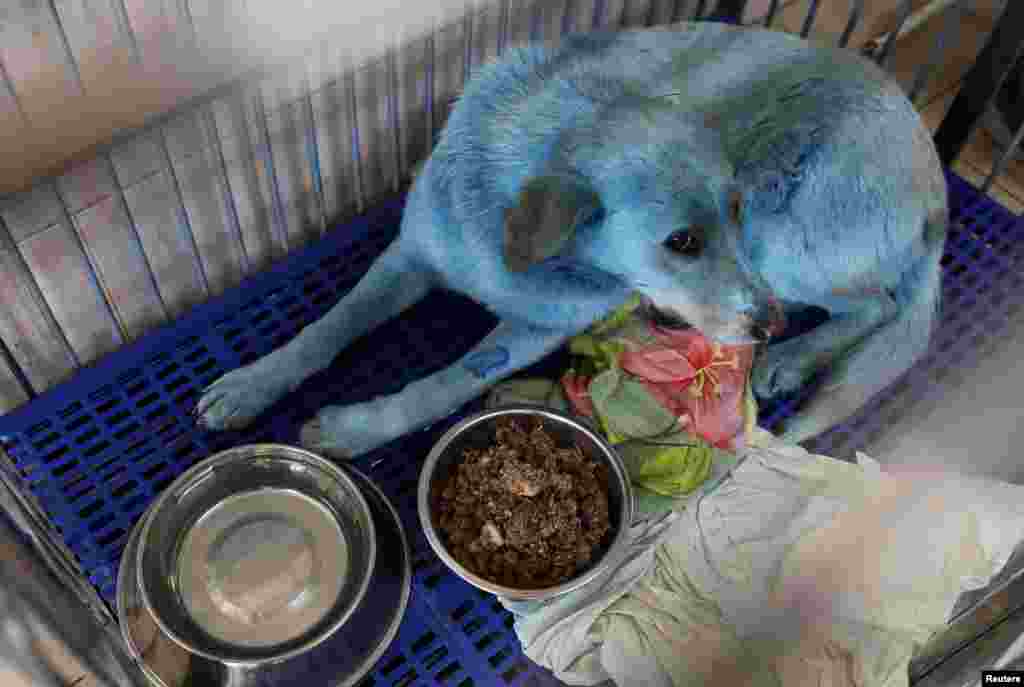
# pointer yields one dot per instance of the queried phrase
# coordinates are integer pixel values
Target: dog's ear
(544, 217)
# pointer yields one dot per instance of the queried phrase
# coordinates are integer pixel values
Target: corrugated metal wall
(97, 256)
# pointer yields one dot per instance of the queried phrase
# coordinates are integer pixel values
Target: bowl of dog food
(524, 502)
(264, 562)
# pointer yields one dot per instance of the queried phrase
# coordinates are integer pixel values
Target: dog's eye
(685, 242)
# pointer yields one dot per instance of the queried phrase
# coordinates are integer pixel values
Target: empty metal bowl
(343, 659)
(477, 432)
(256, 555)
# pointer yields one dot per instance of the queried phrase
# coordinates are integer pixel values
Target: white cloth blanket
(795, 569)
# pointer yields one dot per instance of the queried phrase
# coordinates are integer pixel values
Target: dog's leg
(394, 282)
(346, 431)
(884, 351)
(785, 367)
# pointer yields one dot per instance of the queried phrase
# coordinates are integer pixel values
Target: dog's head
(647, 194)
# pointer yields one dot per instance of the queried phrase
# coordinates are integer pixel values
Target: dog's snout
(760, 333)
(664, 319)
(768, 323)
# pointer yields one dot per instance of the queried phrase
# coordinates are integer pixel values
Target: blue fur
(839, 203)
(483, 363)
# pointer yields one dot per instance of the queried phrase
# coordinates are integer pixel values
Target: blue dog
(728, 175)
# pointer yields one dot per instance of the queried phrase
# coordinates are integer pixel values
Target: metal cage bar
(730, 11)
(812, 14)
(936, 52)
(981, 86)
(982, 83)
(851, 24)
(1003, 160)
(905, 11)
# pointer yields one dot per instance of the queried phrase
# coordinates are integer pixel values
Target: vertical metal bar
(209, 121)
(93, 272)
(701, 7)
(391, 63)
(125, 25)
(905, 11)
(19, 374)
(851, 25)
(69, 56)
(5, 352)
(278, 218)
(773, 9)
(185, 12)
(677, 10)
(8, 84)
(812, 14)
(924, 70)
(254, 222)
(32, 283)
(982, 83)
(467, 47)
(313, 153)
(503, 15)
(599, 9)
(428, 106)
(114, 246)
(138, 238)
(1006, 102)
(229, 198)
(730, 11)
(1003, 160)
(357, 157)
(182, 213)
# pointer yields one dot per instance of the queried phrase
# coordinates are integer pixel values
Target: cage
(237, 201)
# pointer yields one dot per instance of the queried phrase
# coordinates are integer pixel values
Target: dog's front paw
(343, 432)
(317, 436)
(781, 369)
(240, 396)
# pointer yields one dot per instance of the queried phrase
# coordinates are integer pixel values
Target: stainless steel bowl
(341, 660)
(477, 431)
(256, 555)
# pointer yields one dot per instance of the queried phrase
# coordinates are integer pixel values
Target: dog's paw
(343, 432)
(239, 397)
(317, 437)
(781, 369)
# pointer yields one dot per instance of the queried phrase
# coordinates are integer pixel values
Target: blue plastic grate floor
(95, 450)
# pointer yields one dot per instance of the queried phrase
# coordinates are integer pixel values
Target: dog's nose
(760, 334)
(768, 323)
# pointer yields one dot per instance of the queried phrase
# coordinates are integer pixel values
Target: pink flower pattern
(701, 382)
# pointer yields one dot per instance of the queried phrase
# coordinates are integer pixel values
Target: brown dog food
(524, 513)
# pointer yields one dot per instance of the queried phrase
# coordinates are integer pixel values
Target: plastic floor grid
(95, 450)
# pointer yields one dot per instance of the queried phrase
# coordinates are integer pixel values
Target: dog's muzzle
(768, 322)
(664, 319)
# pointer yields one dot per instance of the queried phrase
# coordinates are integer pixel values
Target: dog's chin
(668, 321)
(732, 339)
(665, 319)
